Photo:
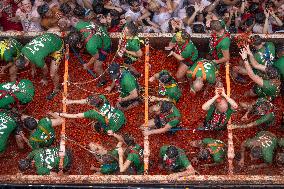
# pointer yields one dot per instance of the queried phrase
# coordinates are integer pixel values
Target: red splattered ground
(80, 131)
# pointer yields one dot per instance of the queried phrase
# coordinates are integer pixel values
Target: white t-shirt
(205, 3)
(161, 17)
(27, 24)
(257, 28)
(134, 15)
(179, 6)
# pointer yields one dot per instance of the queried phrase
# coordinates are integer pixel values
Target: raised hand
(266, 13)
(243, 54)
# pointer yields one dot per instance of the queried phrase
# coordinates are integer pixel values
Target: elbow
(204, 108)
(139, 53)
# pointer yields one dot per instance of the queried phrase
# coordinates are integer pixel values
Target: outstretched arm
(207, 104)
(56, 120)
(189, 171)
(157, 131)
(81, 101)
(72, 116)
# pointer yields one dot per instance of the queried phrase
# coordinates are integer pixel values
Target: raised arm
(278, 21)
(212, 7)
(265, 26)
(233, 103)
(258, 80)
(207, 104)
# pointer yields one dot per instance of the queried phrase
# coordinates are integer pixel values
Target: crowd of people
(149, 15)
(90, 23)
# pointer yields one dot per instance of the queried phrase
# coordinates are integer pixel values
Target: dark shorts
(103, 54)
(128, 61)
(127, 103)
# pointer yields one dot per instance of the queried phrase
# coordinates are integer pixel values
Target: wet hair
(189, 11)
(128, 139)
(172, 152)
(249, 21)
(115, 14)
(21, 62)
(30, 123)
(131, 2)
(260, 18)
(79, 11)
(221, 9)
(256, 40)
(95, 101)
(65, 8)
(165, 77)
(272, 72)
(253, 8)
(256, 152)
(99, 8)
(114, 22)
(24, 164)
(133, 29)
(166, 106)
(198, 28)
(43, 9)
(203, 154)
(216, 25)
(74, 38)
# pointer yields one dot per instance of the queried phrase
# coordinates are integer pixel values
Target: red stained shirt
(7, 13)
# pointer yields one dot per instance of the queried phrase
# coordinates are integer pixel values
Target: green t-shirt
(99, 40)
(10, 49)
(279, 64)
(41, 47)
(110, 168)
(127, 83)
(114, 116)
(224, 44)
(203, 69)
(24, 92)
(135, 155)
(266, 54)
(187, 50)
(7, 125)
(217, 120)
(268, 89)
(267, 118)
(170, 91)
(268, 144)
(217, 149)
(44, 134)
(47, 159)
(182, 161)
(133, 44)
(175, 117)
